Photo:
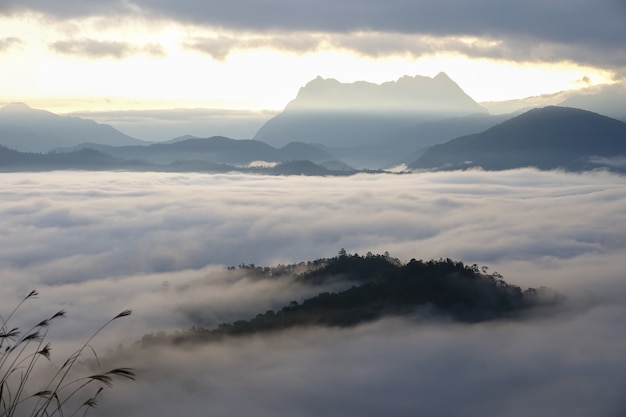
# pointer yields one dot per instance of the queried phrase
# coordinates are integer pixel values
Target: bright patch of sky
(113, 62)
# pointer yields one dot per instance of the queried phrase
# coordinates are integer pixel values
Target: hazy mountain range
(31, 130)
(216, 149)
(357, 121)
(609, 100)
(422, 122)
(546, 138)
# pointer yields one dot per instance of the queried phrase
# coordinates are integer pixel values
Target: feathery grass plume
(19, 356)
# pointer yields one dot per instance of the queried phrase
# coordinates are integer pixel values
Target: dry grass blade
(32, 294)
(44, 394)
(123, 372)
(11, 334)
(45, 351)
(60, 313)
(69, 361)
(123, 314)
(18, 360)
(105, 379)
(93, 401)
(95, 355)
(32, 336)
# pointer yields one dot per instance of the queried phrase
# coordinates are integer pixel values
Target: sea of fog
(95, 243)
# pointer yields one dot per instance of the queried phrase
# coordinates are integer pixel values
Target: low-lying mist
(96, 243)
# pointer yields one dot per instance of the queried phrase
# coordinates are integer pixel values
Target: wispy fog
(96, 243)
(163, 125)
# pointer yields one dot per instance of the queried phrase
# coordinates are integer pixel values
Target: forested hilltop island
(378, 286)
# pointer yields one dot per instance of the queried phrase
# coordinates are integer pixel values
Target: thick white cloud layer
(96, 243)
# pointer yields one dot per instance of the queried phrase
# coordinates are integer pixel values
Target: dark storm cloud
(96, 243)
(557, 20)
(531, 30)
(67, 9)
(103, 49)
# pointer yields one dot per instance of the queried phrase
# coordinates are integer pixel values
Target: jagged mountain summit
(31, 130)
(546, 138)
(339, 115)
(408, 94)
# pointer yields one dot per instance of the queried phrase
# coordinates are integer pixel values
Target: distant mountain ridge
(82, 159)
(362, 125)
(408, 94)
(31, 130)
(547, 138)
(339, 115)
(88, 159)
(217, 149)
(608, 100)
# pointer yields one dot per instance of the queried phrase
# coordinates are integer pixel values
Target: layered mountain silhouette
(413, 140)
(83, 159)
(546, 138)
(217, 149)
(30, 130)
(88, 159)
(336, 126)
(363, 115)
(609, 100)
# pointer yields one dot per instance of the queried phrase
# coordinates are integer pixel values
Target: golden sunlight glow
(154, 67)
(493, 80)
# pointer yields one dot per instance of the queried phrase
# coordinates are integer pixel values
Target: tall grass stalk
(20, 353)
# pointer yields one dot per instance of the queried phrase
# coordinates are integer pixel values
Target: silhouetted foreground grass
(382, 286)
(25, 393)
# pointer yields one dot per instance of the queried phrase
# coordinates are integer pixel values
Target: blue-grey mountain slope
(81, 159)
(364, 115)
(30, 130)
(608, 100)
(546, 138)
(216, 149)
(87, 159)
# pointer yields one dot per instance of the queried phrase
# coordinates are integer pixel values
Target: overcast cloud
(7, 43)
(99, 49)
(555, 30)
(96, 243)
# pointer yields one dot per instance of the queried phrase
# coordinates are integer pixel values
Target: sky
(110, 55)
(97, 243)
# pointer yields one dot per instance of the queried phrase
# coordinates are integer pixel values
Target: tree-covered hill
(381, 286)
